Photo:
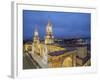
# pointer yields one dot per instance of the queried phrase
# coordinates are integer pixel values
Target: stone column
(74, 59)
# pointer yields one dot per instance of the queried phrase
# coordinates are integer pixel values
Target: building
(49, 38)
(27, 47)
(50, 54)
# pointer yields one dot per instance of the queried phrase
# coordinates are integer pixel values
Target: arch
(67, 62)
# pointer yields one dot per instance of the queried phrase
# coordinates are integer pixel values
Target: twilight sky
(64, 24)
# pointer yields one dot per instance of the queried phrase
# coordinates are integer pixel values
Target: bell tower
(49, 37)
(36, 37)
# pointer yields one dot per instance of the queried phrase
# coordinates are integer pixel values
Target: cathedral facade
(49, 54)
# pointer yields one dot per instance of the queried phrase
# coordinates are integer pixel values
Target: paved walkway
(38, 59)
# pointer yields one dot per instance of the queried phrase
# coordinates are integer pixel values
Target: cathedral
(49, 54)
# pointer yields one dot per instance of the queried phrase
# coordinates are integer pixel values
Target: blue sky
(65, 24)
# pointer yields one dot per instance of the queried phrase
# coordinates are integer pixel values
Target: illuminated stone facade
(62, 58)
(39, 50)
(47, 53)
(49, 38)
